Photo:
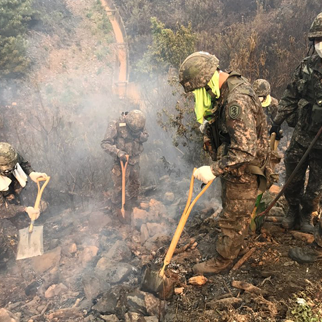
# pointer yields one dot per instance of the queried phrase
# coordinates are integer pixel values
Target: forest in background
(259, 38)
(57, 63)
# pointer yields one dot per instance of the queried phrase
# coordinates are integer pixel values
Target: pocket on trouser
(238, 203)
(240, 191)
(116, 196)
(233, 232)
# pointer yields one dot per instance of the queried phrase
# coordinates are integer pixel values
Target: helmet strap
(311, 48)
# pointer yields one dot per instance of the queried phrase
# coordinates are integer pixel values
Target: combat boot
(212, 266)
(308, 212)
(308, 254)
(292, 219)
(306, 225)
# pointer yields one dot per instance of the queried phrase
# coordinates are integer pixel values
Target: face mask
(267, 101)
(318, 48)
(203, 100)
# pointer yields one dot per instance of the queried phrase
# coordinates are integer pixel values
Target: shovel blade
(30, 244)
(152, 282)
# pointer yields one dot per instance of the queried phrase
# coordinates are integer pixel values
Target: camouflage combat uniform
(271, 111)
(10, 204)
(119, 137)
(237, 130)
(303, 97)
(243, 129)
(262, 89)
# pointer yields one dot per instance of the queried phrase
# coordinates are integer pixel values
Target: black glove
(122, 156)
(276, 129)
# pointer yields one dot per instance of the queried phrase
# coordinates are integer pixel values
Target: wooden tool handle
(40, 190)
(38, 198)
(182, 223)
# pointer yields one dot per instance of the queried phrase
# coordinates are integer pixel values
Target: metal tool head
(160, 286)
(30, 244)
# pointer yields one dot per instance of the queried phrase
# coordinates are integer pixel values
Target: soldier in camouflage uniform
(238, 131)
(303, 97)
(126, 137)
(14, 171)
(262, 89)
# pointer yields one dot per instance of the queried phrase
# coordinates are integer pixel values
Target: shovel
(154, 280)
(124, 214)
(31, 238)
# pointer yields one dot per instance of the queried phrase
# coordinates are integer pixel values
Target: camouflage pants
(8, 239)
(132, 181)
(318, 233)
(238, 200)
(295, 194)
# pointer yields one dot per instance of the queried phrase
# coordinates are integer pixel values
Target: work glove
(35, 175)
(202, 127)
(32, 212)
(204, 174)
(276, 129)
(143, 137)
(122, 156)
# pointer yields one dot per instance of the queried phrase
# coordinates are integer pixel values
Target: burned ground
(93, 267)
(93, 264)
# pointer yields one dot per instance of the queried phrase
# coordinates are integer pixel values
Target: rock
(156, 229)
(136, 302)
(44, 262)
(134, 317)
(93, 286)
(107, 304)
(112, 272)
(110, 318)
(178, 290)
(119, 252)
(156, 209)
(144, 234)
(139, 217)
(92, 318)
(308, 238)
(32, 288)
(69, 249)
(146, 259)
(157, 241)
(152, 304)
(168, 197)
(88, 254)
(151, 319)
(65, 314)
(85, 305)
(198, 280)
(55, 290)
(7, 316)
(144, 205)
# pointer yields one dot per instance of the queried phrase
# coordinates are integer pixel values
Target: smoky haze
(57, 116)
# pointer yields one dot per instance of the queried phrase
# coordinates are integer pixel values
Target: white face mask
(318, 48)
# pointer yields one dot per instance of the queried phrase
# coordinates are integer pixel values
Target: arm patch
(234, 111)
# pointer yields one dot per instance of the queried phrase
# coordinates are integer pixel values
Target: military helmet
(262, 87)
(197, 69)
(316, 27)
(135, 120)
(8, 156)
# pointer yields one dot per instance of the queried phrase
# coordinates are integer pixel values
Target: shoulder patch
(234, 111)
(122, 124)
